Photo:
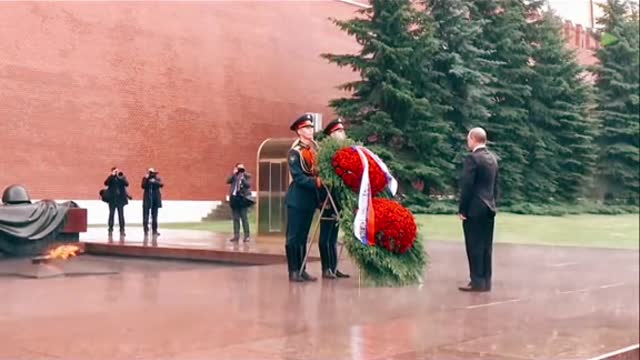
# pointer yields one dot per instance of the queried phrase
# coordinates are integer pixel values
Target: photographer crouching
(240, 201)
(117, 197)
(151, 200)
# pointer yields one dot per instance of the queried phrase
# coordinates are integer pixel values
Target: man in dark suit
(240, 201)
(151, 200)
(329, 226)
(478, 209)
(303, 196)
(118, 197)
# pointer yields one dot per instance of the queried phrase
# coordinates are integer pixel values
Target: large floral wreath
(383, 240)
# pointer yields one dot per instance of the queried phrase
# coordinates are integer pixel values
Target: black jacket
(117, 190)
(479, 184)
(152, 196)
(243, 182)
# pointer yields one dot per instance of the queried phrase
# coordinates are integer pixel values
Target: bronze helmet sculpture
(15, 194)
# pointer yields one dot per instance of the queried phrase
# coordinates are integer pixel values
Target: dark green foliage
(618, 105)
(457, 69)
(430, 70)
(504, 35)
(392, 104)
(559, 153)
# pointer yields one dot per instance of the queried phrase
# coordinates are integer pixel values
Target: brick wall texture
(190, 88)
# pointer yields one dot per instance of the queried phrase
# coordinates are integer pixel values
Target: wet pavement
(546, 303)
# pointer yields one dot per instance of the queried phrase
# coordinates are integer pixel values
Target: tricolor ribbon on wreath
(363, 224)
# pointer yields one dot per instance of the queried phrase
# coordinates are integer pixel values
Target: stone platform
(188, 245)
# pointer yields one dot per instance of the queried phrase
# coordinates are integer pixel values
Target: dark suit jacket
(479, 184)
(152, 196)
(117, 190)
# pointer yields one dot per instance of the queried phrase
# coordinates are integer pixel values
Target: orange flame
(63, 252)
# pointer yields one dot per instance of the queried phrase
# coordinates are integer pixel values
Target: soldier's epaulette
(298, 145)
(297, 151)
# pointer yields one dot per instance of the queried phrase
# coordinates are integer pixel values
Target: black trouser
(298, 224)
(112, 209)
(478, 238)
(154, 218)
(239, 213)
(328, 244)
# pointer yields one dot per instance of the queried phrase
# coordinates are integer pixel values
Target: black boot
(333, 250)
(328, 274)
(325, 258)
(307, 277)
(326, 229)
(295, 277)
(293, 263)
(290, 262)
(302, 253)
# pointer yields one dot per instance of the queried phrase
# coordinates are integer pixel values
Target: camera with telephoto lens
(120, 174)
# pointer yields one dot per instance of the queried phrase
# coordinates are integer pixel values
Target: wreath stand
(328, 201)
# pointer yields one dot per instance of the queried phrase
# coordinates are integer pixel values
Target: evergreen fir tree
(560, 156)
(618, 109)
(503, 35)
(390, 108)
(457, 69)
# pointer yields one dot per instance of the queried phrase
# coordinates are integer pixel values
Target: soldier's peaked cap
(303, 121)
(335, 125)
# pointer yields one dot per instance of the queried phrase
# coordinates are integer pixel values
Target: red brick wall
(583, 42)
(188, 88)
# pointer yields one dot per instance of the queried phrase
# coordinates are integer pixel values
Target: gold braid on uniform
(308, 157)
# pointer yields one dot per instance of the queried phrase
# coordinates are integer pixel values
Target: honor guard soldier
(329, 225)
(303, 196)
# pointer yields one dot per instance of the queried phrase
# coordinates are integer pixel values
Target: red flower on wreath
(395, 227)
(348, 166)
